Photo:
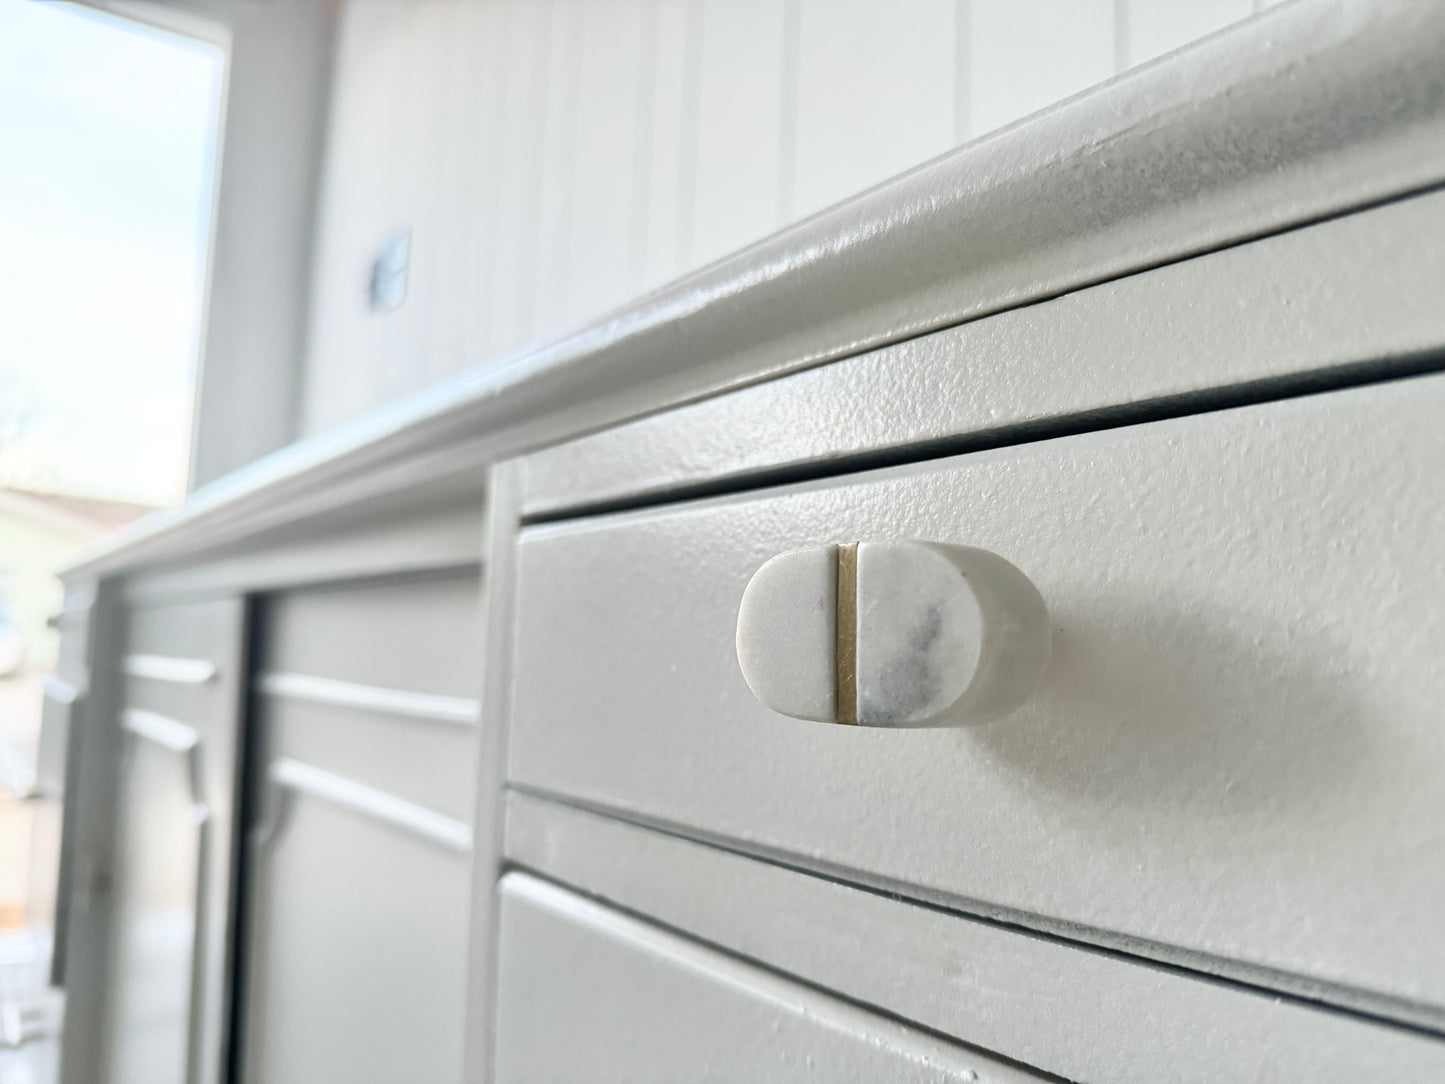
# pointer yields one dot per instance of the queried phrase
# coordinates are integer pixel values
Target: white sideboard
(419, 752)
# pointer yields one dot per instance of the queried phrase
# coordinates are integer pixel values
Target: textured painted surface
(1238, 730)
(555, 158)
(1363, 289)
(587, 994)
(1083, 1014)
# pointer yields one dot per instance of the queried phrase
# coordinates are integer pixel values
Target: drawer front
(418, 635)
(183, 661)
(1275, 310)
(379, 684)
(358, 906)
(588, 995)
(431, 764)
(1236, 750)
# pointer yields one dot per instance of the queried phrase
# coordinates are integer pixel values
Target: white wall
(555, 158)
(253, 351)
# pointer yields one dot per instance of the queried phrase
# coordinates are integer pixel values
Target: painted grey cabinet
(1173, 349)
(175, 822)
(1050, 1002)
(587, 995)
(357, 937)
(357, 913)
(1282, 311)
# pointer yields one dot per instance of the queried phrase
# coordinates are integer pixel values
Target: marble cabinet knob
(892, 634)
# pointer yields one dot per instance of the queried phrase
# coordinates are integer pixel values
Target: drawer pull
(892, 634)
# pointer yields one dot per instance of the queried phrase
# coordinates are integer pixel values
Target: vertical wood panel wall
(553, 159)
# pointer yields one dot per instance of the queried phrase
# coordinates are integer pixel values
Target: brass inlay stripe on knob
(845, 652)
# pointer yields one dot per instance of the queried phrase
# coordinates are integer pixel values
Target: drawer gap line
(1256, 979)
(1044, 1075)
(1166, 408)
(918, 333)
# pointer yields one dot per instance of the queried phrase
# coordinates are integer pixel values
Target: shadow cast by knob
(1189, 711)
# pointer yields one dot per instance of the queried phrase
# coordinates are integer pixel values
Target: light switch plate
(387, 287)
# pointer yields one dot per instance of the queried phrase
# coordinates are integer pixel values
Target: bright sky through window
(107, 154)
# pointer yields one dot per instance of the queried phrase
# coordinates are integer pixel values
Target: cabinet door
(357, 917)
(587, 994)
(168, 1000)
(162, 849)
(358, 947)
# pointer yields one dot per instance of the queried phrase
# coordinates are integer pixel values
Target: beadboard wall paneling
(737, 148)
(557, 172)
(1156, 27)
(464, 187)
(671, 34)
(508, 310)
(351, 201)
(428, 106)
(875, 96)
(481, 48)
(553, 159)
(615, 65)
(1027, 54)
